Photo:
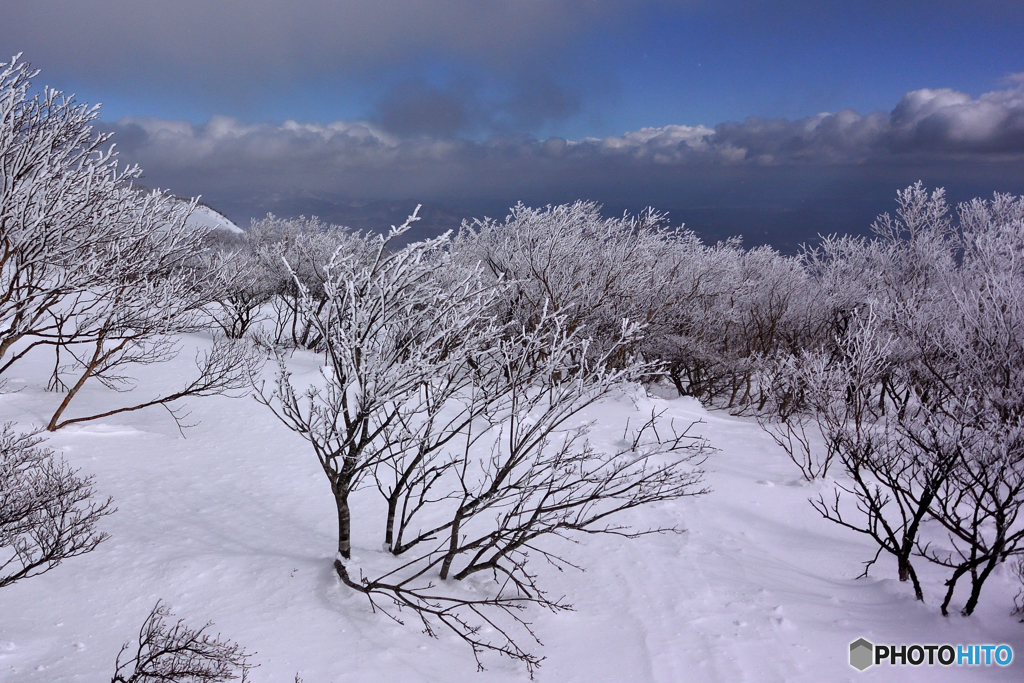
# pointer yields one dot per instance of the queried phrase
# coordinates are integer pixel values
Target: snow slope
(205, 217)
(235, 524)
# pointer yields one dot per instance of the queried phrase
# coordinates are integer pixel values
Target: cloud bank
(371, 160)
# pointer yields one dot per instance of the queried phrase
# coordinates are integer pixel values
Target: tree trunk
(951, 586)
(73, 391)
(907, 573)
(977, 580)
(98, 358)
(389, 531)
(344, 522)
(453, 545)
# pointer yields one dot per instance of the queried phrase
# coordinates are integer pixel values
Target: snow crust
(235, 524)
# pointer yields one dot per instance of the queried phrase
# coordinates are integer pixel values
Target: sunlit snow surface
(235, 524)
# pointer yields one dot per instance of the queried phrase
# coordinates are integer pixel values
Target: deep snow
(235, 524)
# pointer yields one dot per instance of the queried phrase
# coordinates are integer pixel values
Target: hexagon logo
(862, 654)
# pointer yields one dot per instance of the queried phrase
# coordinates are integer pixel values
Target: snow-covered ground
(235, 524)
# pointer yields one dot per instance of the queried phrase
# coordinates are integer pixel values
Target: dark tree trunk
(389, 531)
(453, 546)
(977, 581)
(907, 573)
(344, 522)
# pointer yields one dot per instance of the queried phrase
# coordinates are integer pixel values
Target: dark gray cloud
(416, 107)
(411, 149)
(419, 108)
(535, 101)
(238, 43)
(843, 137)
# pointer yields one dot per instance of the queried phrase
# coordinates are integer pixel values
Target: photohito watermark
(864, 654)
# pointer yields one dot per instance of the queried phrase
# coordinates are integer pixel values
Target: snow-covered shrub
(709, 313)
(688, 336)
(733, 310)
(969, 362)
(756, 316)
(179, 654)
(241, 282)
(593, 272)
(286, 258)
(568, 260)
(47, 510)
(892, 479)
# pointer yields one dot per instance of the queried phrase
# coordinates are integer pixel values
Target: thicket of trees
(897, 359)
(454, 372)
(918, 392)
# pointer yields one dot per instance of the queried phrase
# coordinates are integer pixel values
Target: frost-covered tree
(286, 258)
(387, 328)
(465, 427)
(570, 261)
(518, 474)
(104, 274)
(969, 359)
(708, 312)
(156, 289)
(242, 286)
(735, 308)
(62, 201)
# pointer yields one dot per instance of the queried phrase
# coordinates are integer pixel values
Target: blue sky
(199, 90)
(790, 60)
